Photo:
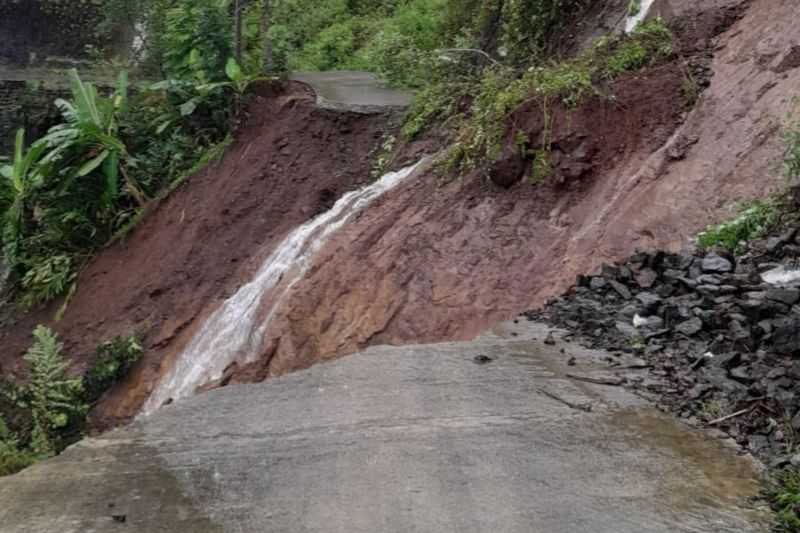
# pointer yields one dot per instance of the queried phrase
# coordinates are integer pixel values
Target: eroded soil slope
(443, 261)
(291, 161)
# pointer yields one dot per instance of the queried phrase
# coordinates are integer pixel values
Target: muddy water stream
(639, 15)
(235, 331)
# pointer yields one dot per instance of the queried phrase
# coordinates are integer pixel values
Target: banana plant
(19, 179)
(90, 135)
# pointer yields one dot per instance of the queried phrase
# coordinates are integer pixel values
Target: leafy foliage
(63, 193)
(12, 457)
(785, 499)
(196, 40)
(53, 398)
(791, 157)
(530, 27)
(113, 360)
(88, 177)
(47, 413)
(501, 90)
(47, 279)
(753, 221)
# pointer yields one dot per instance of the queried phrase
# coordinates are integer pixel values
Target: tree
(268, 59)
(237, 30)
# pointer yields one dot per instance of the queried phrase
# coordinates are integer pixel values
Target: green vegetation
(12, 457)
(754, 220)
(500, 92)
(791, 138)
(53, 398)
(113, 361)
(785, 498)
(70, 192)
(42, 416)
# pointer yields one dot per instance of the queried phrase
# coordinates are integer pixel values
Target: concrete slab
(397, 439)
(361, 92)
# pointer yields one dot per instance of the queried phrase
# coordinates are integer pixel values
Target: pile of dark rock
(720, 333)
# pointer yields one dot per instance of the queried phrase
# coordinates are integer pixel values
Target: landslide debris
(720, 332)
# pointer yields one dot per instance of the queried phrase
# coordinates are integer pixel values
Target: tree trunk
(269, 60)
(490, 29)
(237, 36)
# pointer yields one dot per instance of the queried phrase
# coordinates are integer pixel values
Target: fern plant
(52, 396)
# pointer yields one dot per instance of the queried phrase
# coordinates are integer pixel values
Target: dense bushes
(51, 403)
(113, 361)
(501, 89)
(72, 190)
(45, 414)
(754, 220)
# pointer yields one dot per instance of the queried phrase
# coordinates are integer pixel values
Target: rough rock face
(440, 260)
(722, 333)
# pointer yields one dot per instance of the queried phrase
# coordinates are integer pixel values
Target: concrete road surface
(399, 439)
(361, 92)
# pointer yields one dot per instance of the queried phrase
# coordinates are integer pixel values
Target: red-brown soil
(438, 260)
(290, 161)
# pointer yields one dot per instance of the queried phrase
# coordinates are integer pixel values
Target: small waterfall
(633, 21)
(235, 331)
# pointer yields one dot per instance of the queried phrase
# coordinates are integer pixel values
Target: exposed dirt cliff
(290, 162)
(443, 261)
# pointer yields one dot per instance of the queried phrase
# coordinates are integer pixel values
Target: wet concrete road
(398, 440)
(353, 91)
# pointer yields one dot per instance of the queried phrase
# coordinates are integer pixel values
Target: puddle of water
(704, 473)
(700, 475)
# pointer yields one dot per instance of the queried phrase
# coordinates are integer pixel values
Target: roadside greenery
(501, 90)
(42, 416)
(791, 138)
(113, 361)
(68, 193)
(756, 218)
(785, 497)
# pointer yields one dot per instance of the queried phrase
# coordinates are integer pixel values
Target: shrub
(12, 457)
(791, 159)
(53, 398)
(46, 278)
(754, 220)
(196, 40)
(502, 90)
(113, 360)
(785, 498)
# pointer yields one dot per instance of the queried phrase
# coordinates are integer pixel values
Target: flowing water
(235, 331)
(634, 20)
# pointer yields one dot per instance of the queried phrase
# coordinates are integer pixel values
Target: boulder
(649, 302)
(786, 338)
(690, 327)
(716, 263)
(786, 296)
